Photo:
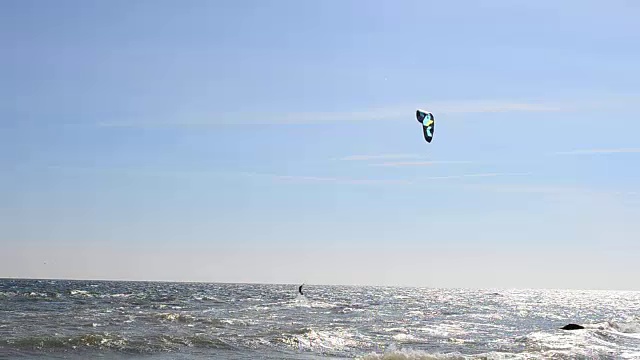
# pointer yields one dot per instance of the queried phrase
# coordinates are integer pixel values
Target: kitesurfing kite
(428, 122)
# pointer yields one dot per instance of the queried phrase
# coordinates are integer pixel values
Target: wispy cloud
(627, 193)
(385, 113)
(419, 163)
(599, 151)
(530, 189)
(341, 180)
(115, 171)
(557, 190)
(578, 197)
(482, 106)
(137, 171)
(477, 175)
(264, 118)
(373, 181)
(377, 157)
(328, 179)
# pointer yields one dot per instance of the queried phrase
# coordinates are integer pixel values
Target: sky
(276, 142)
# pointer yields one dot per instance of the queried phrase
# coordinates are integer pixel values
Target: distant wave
(121, 343)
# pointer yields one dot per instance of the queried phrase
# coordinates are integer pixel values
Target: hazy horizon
(294, 286)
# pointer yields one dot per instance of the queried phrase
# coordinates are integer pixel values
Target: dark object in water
(572, 327)
(300, 289)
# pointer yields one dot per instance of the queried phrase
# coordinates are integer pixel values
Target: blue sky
(276, 141)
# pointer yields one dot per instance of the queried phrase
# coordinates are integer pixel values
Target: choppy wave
(117, 342)
(369, 323)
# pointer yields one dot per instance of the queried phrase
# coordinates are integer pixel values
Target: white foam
(408, 354)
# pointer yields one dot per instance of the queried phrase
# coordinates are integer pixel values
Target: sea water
(60, 319)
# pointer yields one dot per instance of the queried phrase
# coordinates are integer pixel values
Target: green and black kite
(428, 122)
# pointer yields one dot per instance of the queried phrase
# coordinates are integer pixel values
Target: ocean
(61, 319)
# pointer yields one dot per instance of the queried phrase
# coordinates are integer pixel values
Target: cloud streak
(599, 151)
(371, 181)
(419, 163)
(278, 177)
(477, 175)
(326, 179)
(557, 191)
(492, 107)
(388, 113)
(377, 157)
(336, 180)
